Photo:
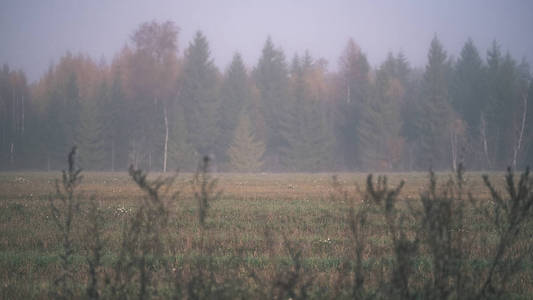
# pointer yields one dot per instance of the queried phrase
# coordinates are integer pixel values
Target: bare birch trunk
(150, 160)
(453, 143)
(521, 133)
(166, 139)
(22, 129)
(12, 153)
(134, 154)
(484, 139)
(13, 113)
(113, 156)
(4, 134)
(348, 96)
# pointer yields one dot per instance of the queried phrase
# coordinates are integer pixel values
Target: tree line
(156, 109)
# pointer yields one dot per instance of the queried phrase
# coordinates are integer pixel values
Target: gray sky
(35, 33)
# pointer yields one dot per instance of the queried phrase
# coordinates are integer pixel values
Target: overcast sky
(33, 34)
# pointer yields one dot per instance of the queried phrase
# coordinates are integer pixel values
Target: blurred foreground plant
(65, 207)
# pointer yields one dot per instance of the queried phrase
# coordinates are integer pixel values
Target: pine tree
(245, 152)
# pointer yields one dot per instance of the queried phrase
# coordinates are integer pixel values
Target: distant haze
(34, 34)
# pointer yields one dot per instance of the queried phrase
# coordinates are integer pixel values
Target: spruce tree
(506, 86)
(271, 79)
(494, 112)
(14, 116)
(63, 118)
(199, 95)
(353, 95)
(435, 117)
(182, 155)
(91, 137)
(310, 141)
(469, 93)
(234, 95)
(379, 131)
(520, 112)
(528, 145)
(116, 133)
(72, 111)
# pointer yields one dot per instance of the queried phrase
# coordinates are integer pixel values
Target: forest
(160, 106)
(171, 167)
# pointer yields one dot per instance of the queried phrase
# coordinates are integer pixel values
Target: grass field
(266, 236)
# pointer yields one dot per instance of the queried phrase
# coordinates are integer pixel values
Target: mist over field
(220, 149)
(282, 86)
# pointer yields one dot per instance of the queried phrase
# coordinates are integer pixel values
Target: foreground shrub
(430, 246)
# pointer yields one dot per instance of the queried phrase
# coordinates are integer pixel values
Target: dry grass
(262, 225)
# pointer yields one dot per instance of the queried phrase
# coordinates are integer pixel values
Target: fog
(34, 34)
(279, 86)
(271, 112)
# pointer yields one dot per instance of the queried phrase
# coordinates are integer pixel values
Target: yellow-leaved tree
(245, 152)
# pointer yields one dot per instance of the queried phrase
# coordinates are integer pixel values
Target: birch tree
(156, 58)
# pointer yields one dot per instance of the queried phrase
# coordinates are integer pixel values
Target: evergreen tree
(528, 144)
(410, 111)
(468, 95)
(116, 133)
(310, 141)
(91, 137)
(32, 133)
(520, 112)
(63, 118)
(234, 95)
(379, 131)
(245, 152)
(271, 79)
(72, 110)
(495, 111)
(198, 95)
(182, 155)
(354, 93)
(14, 104)
(54, 136)
(436, 112)
(502, 113)
(4, 119)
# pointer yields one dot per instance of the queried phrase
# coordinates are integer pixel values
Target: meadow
(263, 236)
